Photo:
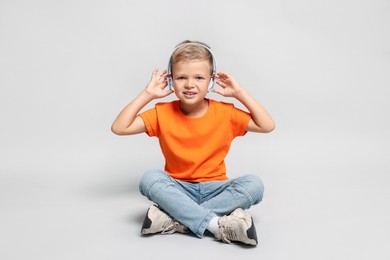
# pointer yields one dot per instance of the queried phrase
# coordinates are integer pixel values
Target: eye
(180, 78)
(199, 78)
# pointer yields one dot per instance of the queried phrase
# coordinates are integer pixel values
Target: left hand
(230, 87)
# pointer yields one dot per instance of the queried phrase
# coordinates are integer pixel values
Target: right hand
(157, 84)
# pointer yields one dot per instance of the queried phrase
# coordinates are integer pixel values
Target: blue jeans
(195, 204)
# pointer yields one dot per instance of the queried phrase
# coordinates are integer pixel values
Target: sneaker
(157, 221)
(238, 226)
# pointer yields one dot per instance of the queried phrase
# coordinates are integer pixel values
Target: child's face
(191, 80)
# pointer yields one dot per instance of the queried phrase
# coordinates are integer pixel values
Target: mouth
(189, 94)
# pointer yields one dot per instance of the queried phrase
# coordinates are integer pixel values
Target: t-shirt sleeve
(239, 120)
(151, 122)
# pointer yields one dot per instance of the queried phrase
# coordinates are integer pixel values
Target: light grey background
(69, 187)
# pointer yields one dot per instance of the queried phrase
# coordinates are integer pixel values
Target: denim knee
(150, 178)
(253, 186)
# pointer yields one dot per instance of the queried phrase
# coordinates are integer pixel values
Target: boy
(193, 192)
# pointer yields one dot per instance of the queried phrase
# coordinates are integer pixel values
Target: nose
(190, 83)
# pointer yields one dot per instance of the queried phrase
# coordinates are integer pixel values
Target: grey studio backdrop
(69, 187)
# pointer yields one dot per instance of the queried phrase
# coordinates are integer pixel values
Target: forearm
(262, 120)
(125, 119)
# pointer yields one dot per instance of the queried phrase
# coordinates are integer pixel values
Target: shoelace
(227, 234)
(171, 227)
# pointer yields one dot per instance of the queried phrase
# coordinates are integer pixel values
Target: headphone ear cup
(170, 82)
(211, 84)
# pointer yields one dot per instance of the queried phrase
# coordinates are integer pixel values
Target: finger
(155, 73)
(222, 74)
(219, 91)
(220, 83)
(221, 79)
(162, 84)
(167, 93)
(163, 75)
(226, 77)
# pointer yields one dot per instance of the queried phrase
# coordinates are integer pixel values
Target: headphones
(212, 79)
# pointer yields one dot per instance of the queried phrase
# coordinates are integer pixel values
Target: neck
(195, 110)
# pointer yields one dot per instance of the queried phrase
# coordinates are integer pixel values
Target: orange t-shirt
(195, 148)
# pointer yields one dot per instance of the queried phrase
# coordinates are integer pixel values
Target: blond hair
(190, 51)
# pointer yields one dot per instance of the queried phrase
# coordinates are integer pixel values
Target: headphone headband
(169, 70)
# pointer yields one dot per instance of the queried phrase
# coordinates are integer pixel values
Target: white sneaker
(157, 221)
(238, 226)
